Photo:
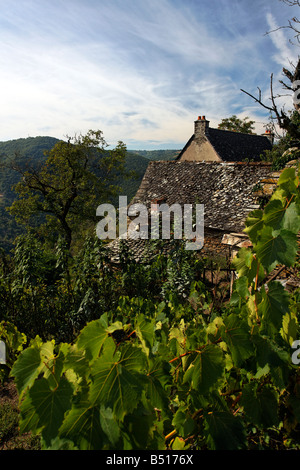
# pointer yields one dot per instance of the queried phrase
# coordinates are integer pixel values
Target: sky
(139, 71)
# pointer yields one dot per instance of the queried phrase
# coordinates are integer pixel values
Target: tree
(286, 148)
(235, 124)
(56, 198)
(279, 115)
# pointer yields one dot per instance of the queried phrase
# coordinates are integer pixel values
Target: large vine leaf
(274, 305)
(272, 360)
(290, 328)
(260, 405)
(27, 368)
(237, 336)
(224, 431)
(74, 359)
(109, 425)
(82, 426)
(280, 215)
(31, 363)
(92, 337)
(206, 369)
(43, 408)
(157, 380)
(183, 423)
(275, 248)
(116, 378)
(254, 224)
(288, 183)
(246, 264)
(144, 328)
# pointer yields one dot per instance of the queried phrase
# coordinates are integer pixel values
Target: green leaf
(274, 305)
(158, 378)
(245, 263)
(274, 213)
(144, 328)
(272, 360)
(183, 423)
(180, 444)
(43, 408)
(27, 368)
(254, 224)
(279, 215)
(290, 328)
(241, 287)
(276, 248)
(287, 175)
(109, 425)
(82, 426)
(237, 336)
(287, 186)
(138, 429)
(206, 369)
(74, 359)
(116, 378)
(224, 431)
(291, 220)
(92, 338)
(260, 405)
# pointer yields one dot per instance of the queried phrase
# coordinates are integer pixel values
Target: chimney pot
(269, 135)
(201, 127)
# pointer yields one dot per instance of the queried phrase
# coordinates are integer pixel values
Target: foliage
(14, 343)
(157, 154)
(161, 372)
(69, 186)
(53, 294)
(233, 123)
(286, 149)
(33, 151)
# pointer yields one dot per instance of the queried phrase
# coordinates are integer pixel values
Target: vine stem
(52, 373)
(181, 355)
(170, 435)
(196, 350)
(255, 289)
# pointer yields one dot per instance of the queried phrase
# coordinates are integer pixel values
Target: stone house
(220, 169)
(209, 144)
(228, 190)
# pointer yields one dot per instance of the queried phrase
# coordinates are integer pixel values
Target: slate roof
(234, 146)
(225, 189)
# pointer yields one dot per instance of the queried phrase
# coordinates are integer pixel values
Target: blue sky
(140, 71)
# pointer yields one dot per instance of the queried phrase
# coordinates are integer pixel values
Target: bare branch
(258, 100)
(291, 3)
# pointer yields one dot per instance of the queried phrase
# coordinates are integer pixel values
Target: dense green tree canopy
(233, 123)
(66, 189)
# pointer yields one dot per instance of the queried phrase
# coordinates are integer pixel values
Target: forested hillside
(157, 154)
(31, 151)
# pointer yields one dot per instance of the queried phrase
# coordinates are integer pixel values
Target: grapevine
(148, 375)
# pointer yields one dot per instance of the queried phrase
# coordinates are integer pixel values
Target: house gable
(209, 144)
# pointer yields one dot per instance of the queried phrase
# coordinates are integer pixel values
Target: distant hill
(157, 154)
(32, 150)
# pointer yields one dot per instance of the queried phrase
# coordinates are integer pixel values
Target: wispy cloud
(284, 52)
(140, 71)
